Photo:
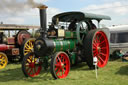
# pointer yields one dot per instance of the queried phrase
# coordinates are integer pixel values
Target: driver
(72, 25)
(52, 31)
(93, 26)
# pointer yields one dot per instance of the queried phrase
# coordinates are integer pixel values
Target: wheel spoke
(94, 53)
(101, 59)
(57, 65)
(100, 37)
(27, 69)
(59, 59)
(57, 71)
(56, 68)
(102, 42)
(31, 45)
(26, 53)
(27, 50)
(27, 65)
(62, 71)
(35, 69)
(31, 58)
(103, 54)
(103, 48)
(2, 58)
(94, 43)
(31, 71)
(97, 39)
(26, 46)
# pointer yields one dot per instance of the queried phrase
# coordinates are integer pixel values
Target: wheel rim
(32, 66)
(101, 48)
(28, 47)
(62, 65)
(3, 60)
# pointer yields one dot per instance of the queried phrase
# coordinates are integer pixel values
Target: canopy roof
(69, 16)
(17, 27)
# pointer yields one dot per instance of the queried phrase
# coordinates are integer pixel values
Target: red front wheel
(31, 66)
(60, 65)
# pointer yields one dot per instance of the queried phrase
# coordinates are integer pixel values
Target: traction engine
(10, 47)
(67, 47)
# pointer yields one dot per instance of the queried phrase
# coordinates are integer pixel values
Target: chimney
(43, 19)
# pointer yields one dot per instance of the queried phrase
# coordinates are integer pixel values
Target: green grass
(115, 73)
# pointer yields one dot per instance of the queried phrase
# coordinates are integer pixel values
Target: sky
(22, 12)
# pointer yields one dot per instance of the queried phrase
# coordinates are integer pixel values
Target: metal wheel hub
(98, 49)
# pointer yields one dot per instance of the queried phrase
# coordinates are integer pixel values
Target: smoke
(33, 4)
(14, 7)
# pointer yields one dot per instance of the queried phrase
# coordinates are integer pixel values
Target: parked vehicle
(118, 41)
(10, 45)
(64, 46)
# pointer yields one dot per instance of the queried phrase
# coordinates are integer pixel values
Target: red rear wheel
(101, 48)
(60, 65)
(96, 45)
(31, 66)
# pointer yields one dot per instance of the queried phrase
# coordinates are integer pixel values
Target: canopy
(69, 16)
(17, 27)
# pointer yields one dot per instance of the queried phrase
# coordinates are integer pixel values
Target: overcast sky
(20, 11)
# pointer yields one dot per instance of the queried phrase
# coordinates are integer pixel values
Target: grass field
(115, 73)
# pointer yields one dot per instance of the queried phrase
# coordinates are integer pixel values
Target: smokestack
(43, 19)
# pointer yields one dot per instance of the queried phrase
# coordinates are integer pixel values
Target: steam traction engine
(67, 47)
(10, 46)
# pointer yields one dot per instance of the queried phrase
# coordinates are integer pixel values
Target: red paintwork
(11, 40)
(4, 47)
(62, 66)
(33, 66)
(21, 37)
(101, 48)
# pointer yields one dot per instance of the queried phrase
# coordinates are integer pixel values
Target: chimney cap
(42, 7)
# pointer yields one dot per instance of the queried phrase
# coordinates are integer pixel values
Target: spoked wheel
(3, 60)
(60, 65)
(96, 45)
(31, 66)
(81, 30)
(21, 36)
(27, 46)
